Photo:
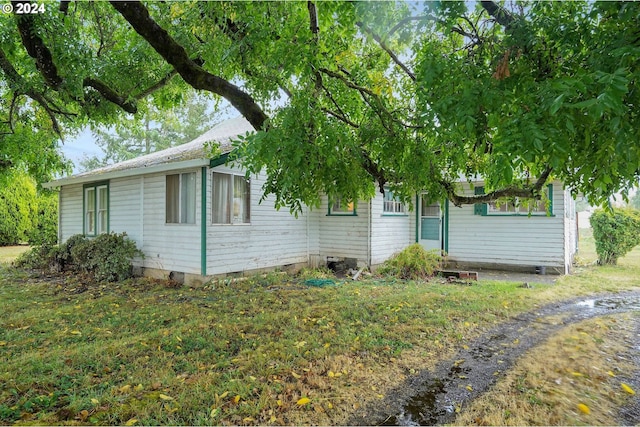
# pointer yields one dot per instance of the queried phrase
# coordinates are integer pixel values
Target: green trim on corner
(203, 222)
(417, 217)
(220, 160)
(445, 226)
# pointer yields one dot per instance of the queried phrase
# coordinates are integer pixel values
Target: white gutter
(143, 170)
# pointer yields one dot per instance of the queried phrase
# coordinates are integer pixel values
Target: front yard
(269, 350)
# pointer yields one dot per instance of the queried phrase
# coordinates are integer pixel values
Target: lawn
(269, 350)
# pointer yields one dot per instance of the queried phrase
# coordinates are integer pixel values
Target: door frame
(444, 212)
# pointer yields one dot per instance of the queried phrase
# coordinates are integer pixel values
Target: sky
(83, 145)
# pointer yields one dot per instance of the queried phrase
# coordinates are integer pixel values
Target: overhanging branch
(175, 54)
(386, 48)
(529, 191)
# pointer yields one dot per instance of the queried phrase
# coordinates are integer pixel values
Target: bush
(615, 232)
(45, 230)
(414, 262)
(106, 258)
(38, 258)
(17, 207)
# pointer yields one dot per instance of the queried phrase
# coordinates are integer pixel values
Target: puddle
(431, 398)
(424, 408)
(616, 303)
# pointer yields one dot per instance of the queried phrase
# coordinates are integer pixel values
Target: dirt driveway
(431, 397)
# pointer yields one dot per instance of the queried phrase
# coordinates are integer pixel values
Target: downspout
(369, 240)
(203, 222)
(307, 227)
(445, 225)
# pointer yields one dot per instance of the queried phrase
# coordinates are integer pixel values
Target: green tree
(347, 95)
(18, 207)
(152, 130)
(45, 224)
(616, 232)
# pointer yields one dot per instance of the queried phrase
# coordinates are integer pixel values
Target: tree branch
(161, 83)
(386, 48)
(340, 117)
(19, 86)
(44, 63)
(500, 14)
(138, 17)
(111, 95)
(530, 191)
(37, 50)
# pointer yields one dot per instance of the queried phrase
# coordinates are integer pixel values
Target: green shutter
(479, 208)
(550, 195)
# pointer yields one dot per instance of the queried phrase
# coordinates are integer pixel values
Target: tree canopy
(151, 130)
(350, 97)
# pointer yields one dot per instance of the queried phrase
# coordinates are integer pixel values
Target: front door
(430, 224)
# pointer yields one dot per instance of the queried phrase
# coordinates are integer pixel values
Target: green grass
(9, 253)
(239, 352)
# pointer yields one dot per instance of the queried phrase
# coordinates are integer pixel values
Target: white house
(199, 217)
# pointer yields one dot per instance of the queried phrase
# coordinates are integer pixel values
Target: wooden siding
(125, 209)
(272, 238)
(389, 233)
(70, 211)
(171, 247)
(344, 235)
(515, 240)
(570, 231)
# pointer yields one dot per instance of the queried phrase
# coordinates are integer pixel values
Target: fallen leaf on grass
(76, 333)
(95, 401)
(628, 389)
(236, 399)
(3, 343)
(469, 388)
(584, 408)
(165, 397)
(611, 374)
(131, 422)
(303, 401)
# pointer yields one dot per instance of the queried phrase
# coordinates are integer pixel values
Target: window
(181, 198)
(231, 199)
(516, 206)
(340, 207)
(391, 204)
(96, 209)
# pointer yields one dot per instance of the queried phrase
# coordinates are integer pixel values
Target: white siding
(344, 235)
(570, 231)
(70, 211)
(511, 240)
(171, 247)
(273, 238)
(389, 233)
(125, 208)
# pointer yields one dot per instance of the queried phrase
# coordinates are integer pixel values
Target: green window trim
(483, 208)
(391, 205)
(91, 224)
(331, 212)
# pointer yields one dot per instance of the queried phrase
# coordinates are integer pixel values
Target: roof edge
(164, 167)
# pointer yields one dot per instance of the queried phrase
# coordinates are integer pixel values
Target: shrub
(414, 262)
(615, 232)
(45, 229)
(17, 207)
(38, 258)
(107, 257)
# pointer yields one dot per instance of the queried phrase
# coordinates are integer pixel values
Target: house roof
(192, 154)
